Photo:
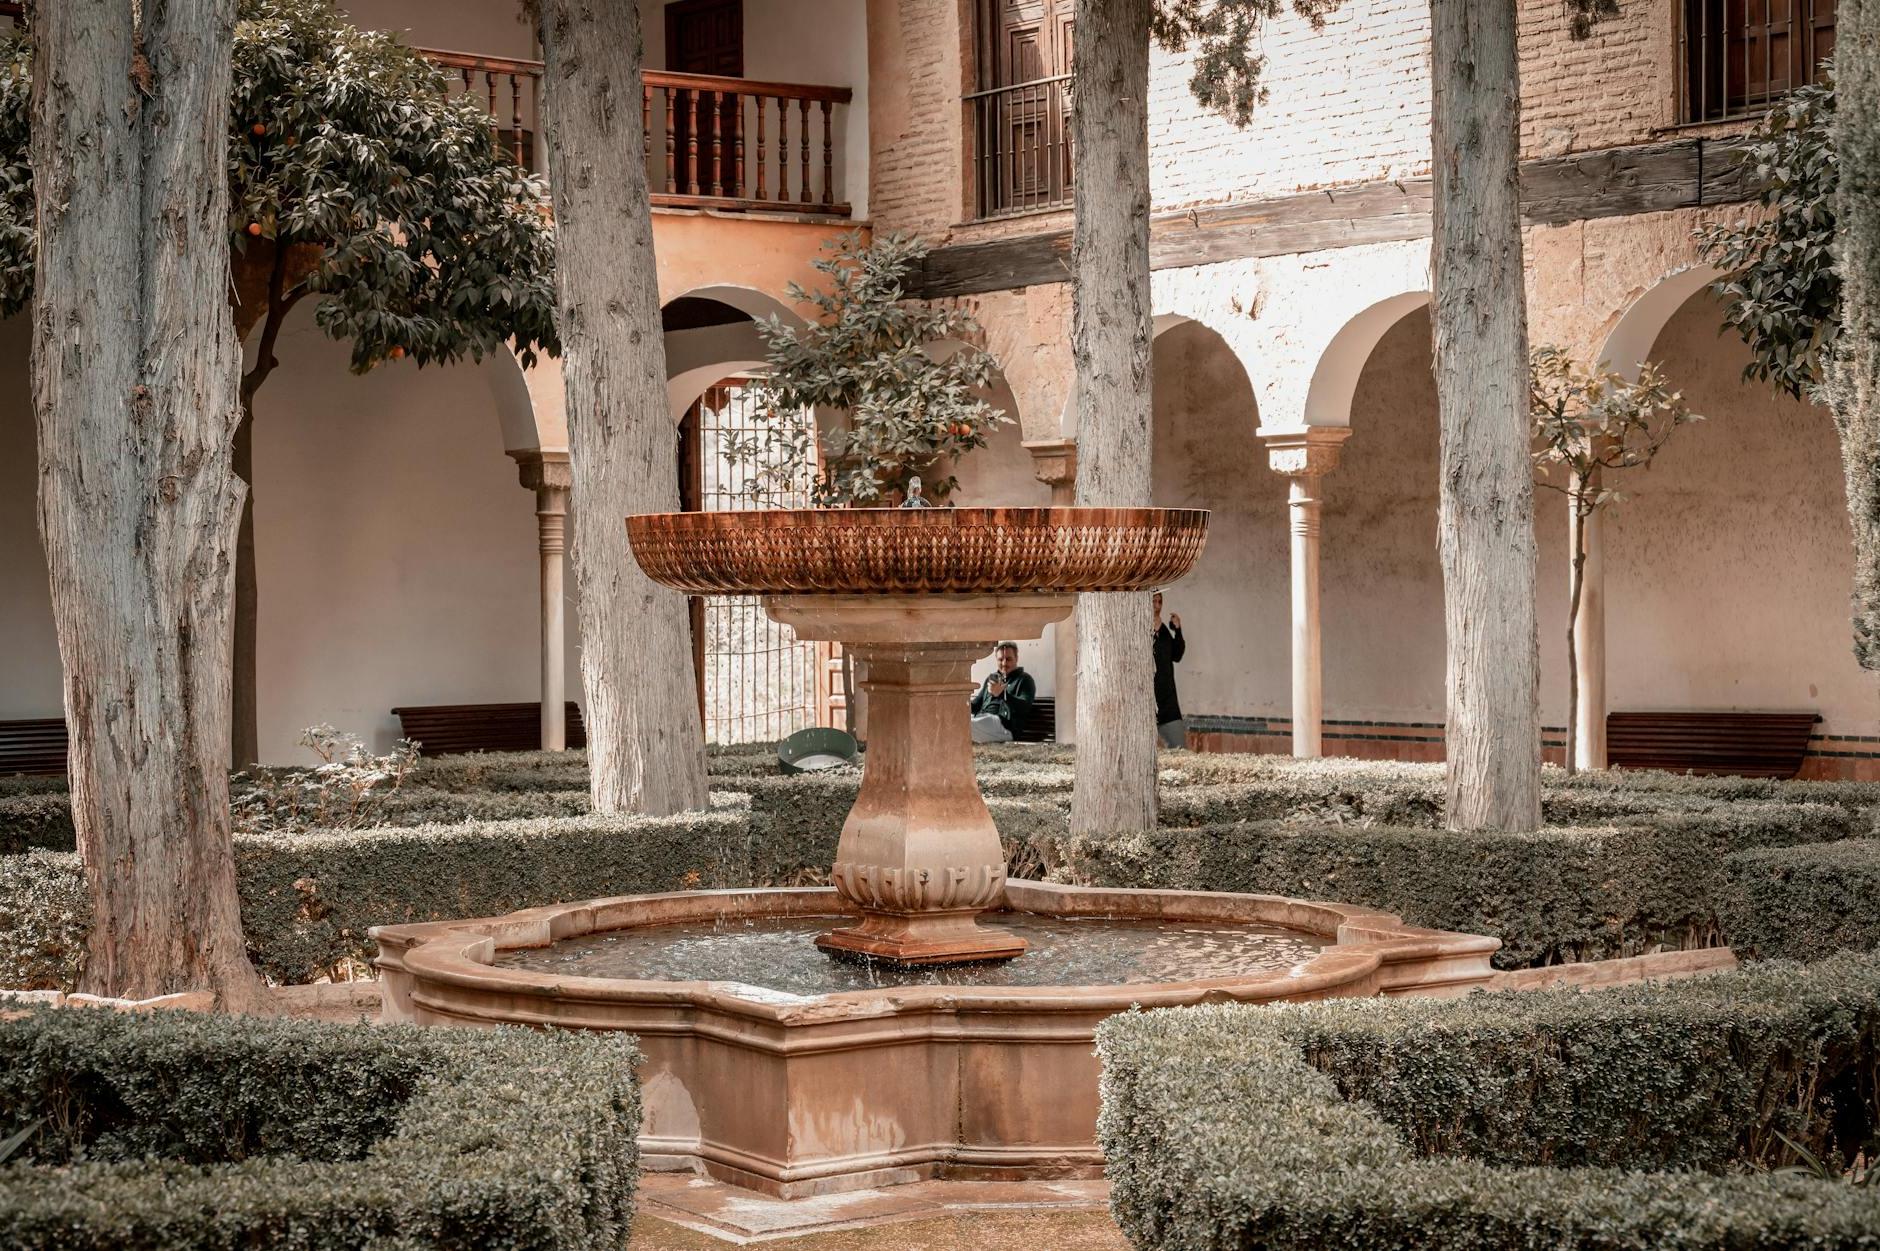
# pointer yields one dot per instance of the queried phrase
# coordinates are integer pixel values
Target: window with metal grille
(757, 682)
(1020, 112)
(1740, 56)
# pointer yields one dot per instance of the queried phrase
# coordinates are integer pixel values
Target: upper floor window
(1020, 109)
(1740, 56)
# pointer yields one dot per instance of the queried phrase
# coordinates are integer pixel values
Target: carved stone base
(922, 938)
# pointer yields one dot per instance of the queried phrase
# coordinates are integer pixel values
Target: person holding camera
(1004, 701)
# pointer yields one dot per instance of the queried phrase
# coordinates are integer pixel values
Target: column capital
(542, 470)
(1053, 461)
(1303, 451)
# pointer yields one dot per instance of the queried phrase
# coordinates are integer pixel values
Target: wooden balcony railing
(717, 142)
(729, 143)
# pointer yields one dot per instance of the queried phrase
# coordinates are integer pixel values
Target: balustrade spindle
(646, 123)
(515, 120)
(759, 101)
(803, 119)
(783, 148)
(716, 116)
(735, 185)
(672, 140)
(829, 157)
(691, 145)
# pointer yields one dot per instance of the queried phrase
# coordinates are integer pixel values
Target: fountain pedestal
(919, 856)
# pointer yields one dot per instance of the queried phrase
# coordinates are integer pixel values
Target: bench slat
(451, 729)
(1749, 744)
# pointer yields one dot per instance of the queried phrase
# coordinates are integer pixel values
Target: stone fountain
(944, 1055)
(917, 596)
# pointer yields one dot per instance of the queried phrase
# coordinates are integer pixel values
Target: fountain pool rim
(1362, 943)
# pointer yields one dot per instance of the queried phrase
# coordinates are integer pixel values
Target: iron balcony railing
(1739, 57)
(1022, 160)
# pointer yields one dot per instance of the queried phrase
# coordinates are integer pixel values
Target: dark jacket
(1168, 653)
(1013, 709)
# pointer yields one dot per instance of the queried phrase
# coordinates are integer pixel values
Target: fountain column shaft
(919, 856)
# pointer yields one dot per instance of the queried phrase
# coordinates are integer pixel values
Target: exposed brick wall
(1348, 103)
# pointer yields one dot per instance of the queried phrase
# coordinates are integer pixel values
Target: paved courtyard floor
(681, 1212)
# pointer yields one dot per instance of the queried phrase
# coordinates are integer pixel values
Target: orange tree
(357, 183)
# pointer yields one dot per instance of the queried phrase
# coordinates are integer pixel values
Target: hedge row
(308, 900)
(1796, 903)
(176, 1131)
(1558, 896)
(1510, 1120)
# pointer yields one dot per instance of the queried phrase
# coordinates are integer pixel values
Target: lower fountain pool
(776, 954)
(774, 1065)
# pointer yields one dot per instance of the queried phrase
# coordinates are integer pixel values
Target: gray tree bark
(134, 389)
(1111, 345)
(645, 744)
(1853, 384)
(1486, 518)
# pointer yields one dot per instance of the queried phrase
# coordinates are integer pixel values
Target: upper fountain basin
(918, 551)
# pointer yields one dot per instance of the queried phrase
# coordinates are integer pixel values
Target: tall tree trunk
(1853, 389)
(646, 749)
(134, 389)
(1486, 520)
(1111, 345)
(1576, 548)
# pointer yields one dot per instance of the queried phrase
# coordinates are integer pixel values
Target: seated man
(1004, 699)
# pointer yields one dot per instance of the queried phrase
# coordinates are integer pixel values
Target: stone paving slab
(967, 1231)
(726, 1214)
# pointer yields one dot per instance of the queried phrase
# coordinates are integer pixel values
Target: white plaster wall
(1234, 606)
(489, 27)
(824, 42)
(397, 552)
(29, 649)
(1729, 568)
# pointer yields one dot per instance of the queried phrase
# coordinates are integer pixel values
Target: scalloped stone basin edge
(802, 1096)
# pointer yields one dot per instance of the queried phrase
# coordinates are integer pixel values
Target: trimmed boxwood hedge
(36, 820)
(1799, 902)
(174, 1131)
(1509, 1120)
(308, 900)
(1553, 897)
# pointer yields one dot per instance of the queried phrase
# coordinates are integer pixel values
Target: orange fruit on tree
(254, 229)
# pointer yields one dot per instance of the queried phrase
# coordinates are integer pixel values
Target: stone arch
(1206, 453)
(1630, 341)
(709, 345)
(1001, 472)
(1334, 381)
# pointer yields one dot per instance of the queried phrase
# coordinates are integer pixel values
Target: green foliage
(432, 245)
(1592, 422)
(1782, 293)
(908, 409)
(1647, 880)
(1797, 902)
(28, 821)
(175, 1131)
(1229, 65)
(435, 245)
(1510, 1120)
(16, 174)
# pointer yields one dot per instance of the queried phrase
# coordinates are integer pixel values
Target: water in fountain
(776, 954)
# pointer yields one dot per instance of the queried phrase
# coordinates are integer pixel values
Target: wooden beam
(1613, 182)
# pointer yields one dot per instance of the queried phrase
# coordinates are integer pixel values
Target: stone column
(1054, 463)
(1589, 643)
(1304, 456)
(548, 475)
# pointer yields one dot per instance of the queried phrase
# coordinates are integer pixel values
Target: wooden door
(1023, 45)
(707, 37)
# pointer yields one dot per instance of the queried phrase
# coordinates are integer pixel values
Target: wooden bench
(1041, 725)
(33, 746)
(447, 729)
(1746, 744)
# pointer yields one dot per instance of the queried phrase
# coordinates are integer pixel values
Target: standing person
(1169, 649)
(1004, 701)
